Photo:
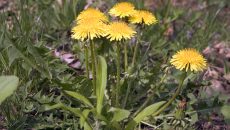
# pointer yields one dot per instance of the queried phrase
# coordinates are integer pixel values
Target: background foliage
(34, 28)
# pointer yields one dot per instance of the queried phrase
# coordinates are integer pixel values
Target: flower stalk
(86, 60)
(118, 74)
(136, 48)
(173, 97)
(135, 53)
(125, 57)
(126, 96)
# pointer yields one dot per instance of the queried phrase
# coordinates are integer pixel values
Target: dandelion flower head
(89, 29)
(89, 14)
(143, 16)
(122, 9)
(189, 59)
(119, 30)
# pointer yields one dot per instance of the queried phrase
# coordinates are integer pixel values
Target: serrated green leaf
(83, 118)
(76, 111)
(194, 117)
(51, 107)
(8, 84)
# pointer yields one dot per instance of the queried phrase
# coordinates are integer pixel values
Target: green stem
(87, 61)
(135, 53)
(127, 95)
(126, 57)
(93, 66)
(136, 49)
(118, 74)
(173, 97)
(94, 53)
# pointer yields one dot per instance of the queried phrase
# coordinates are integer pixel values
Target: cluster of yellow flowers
(92, 23)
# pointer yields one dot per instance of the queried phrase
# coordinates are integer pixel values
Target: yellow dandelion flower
(119, 30)
(143, 16)
(91, 13)
(189, 59)
(90, 29)
(122, 9)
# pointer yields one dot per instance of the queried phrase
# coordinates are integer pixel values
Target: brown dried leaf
(227, 77)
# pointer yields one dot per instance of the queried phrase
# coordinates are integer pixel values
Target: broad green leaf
(225, 111)
(8, 84)
(13, 55)
(101, 82)
(144, 113)
(194, 117)
(79, 97)
(119, 114)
